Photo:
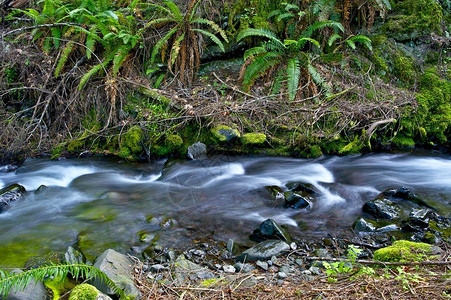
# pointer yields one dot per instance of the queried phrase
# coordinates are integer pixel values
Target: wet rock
(74, 255)
(382, 208)
(276, 194)
(183, 268)
(302, 188)
(10, 194)
(362, 225)
(269, 230)
(197, 151)
(232, 248)
(225, 133)
(157, 268)
(282, 275)
(244, 268)
(8, 168)
(293, 200)
(388, 228)
(405, 194)
(229, 269)
(264, 251)
(119, 268)
(262, 264)
(413, 224)
(35, 290)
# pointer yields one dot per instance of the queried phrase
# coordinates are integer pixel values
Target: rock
(276, 194)
(293, 246)
(8, 168)
(157, 268)
(35, 290)
(262, 264)
(244, 268)
(321, 252)
(282, 275)
(119, 268)
(264, 251)
(229, 269)
(232, 248)
(269, 230)
(405, 194)
(293, 200)
(197, 151)
(74, 256)
(315, 270)
(302, 188)
(381, 208)
(225, 133)
(388, 228)
(362, 225)
(413, 224)
(10, 194)
(183, 268)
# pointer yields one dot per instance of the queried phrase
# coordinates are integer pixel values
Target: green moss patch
(253, 138)
(84, 292)
(404, 251)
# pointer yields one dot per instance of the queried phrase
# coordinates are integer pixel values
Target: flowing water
(100, 204)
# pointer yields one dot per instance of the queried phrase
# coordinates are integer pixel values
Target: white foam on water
(224, 172)
(139, 179)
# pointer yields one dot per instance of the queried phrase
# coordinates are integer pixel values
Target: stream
(100, 203)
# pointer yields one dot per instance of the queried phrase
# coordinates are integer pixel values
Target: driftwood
(383, 263)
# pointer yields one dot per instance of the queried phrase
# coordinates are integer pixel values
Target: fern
(212, 37)
(19, 281)
(213, 25)
(160, 43)
(252, 32)
(259, 67)
(64, 56)
(293, 75)
(176, 48)
(361, 39)
(319, 25)
(253, 52)
(94, 70)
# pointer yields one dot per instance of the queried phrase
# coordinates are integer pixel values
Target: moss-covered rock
(84, 291)
(404, 251)
(130, 143)
(224, 134)
(253, 138)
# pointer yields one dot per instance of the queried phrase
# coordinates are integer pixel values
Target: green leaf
(64, 56)
(302, 41)
(293, 76)
(253, 52)
(160, 43)
(94, 70)
(212, 37)
(56, 35)
(174, 10)
(259, 66)
(319, 25)
(119, 57)
(159, 80)
(213, 25)
(361, 39)
(287, 15)
(90, 42)
(333, 38)
(176, 48)
(252, 32)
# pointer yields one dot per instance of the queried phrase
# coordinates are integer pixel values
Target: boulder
(87, 291)
(382, 208)
(183, 268)
(10, 194)
(405, 194)
(35, 290)
(74, 255)
(197, 151)
(225, 133)
(362, 225)
(276, 194)
(269, 230)
(264, 251)
(119, 268)
(293, 200)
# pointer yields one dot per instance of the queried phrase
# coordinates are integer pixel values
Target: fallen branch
(373, 126)
(383, 263)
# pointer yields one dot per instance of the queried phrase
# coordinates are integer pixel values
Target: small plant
(336, 268)
(407, 278)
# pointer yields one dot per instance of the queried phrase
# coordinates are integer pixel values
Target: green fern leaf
(176, 48)
(278, 83)
(253, 52)
(212, 37)
(317, 78)
(159, 80)
(252, 32)
(175, 11)
(293, 76)
(287, 15)
(56, 36)
(258, 67)
(303, 40)
(333, 38)
(361, 39)
(64, 56)
(119, 57)
(213, 25)
(274, 13)
(160, 43)
(319, 25)
(159, 21)
(351, 44)
(91, 42)
(94, 70)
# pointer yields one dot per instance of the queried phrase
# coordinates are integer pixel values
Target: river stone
(264, 251)
(296, 201)
(35, 290)
(276, 194)
(262, 264)
(244, 268)
(269, 230)
(388, 228)
(197, 151)
(74, 256)
(119, 268)
(413, 224)
(10, 194)
(382, 208)
(405, 194)
(303, 188)
(362, 225)
(183, 268)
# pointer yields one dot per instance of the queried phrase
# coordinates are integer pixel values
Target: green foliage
(19, 281)
(335, 268)
(407, 278)
(223, 133)
(403, 251)
(84, 292)
(131, 143)
(253, 138)
(182, 40)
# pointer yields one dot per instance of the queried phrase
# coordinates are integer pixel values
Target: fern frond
(290, 6)
(316, 76)
(287, 15)
(175, 11)
(258, 67)
(176, 48)
(119, 57)
(19, 281)
(274, 13)
(252, 32)
(384, 4)
(277, 85)
(361, 39)
(253, 52)
(293, 75)
(90, 42)
(160, 43)
(212, 37)
(333, 38)
(213, 25)
(94, 70)
(64, 56)
(56, 36)
(159, 21)
(303, 40)
(319, 25)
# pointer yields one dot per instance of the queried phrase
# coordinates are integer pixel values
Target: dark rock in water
(302, 188)
(296, 201)
(232, 248)
(362, 225)
(382, 208)
(422, 214)
(34, 290)
(405, 194)
(10, 194)
(276, 193)
(8, 168)
(388, 228)
(413, 224)
(269, 230)
(74, 256)
(264, 251)
(225, 133)
(197, 151)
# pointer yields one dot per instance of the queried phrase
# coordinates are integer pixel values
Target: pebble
(244, 268)
(229, 269)
(293, 246)
(273, 269)
(262, 264)
(282, 275)
(198, 252)
(157, 268)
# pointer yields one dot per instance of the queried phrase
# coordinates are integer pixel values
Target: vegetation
(121, 77)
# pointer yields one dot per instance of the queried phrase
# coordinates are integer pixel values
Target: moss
(378, 40)
(353, 147)
(253, 138)
(413, 19)
(403, 69)
(172, 144)
(403, 251)
(130, 143)
(223, 133)
(315, 151)
(59, 286)
(84, 291)
(400, 141)
(75, 145)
